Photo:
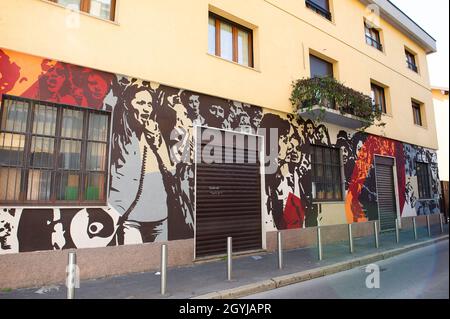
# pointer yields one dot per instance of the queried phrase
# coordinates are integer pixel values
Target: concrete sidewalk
(251, 274)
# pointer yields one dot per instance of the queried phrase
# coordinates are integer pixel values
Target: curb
(285, 280)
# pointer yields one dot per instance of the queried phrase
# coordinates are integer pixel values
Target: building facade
(100, 102)
(441, 109)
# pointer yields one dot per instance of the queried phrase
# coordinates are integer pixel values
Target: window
(52, 154)
(319, 67)
(230, 41)
(104, 9)
(378, 97)
(373, 37)
(322, 7)
(411, 61)
(416, 113)
(326, 173)
(423, 180)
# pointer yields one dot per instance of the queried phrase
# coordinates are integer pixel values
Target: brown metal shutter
(387, 208)
(228, 200)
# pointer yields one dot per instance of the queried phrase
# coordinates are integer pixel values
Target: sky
(433, 17)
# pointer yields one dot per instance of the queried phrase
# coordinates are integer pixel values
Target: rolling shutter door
(228, 199)
(387, 208)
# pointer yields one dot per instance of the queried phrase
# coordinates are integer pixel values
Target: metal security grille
(326, 173)
(228, 201)
(387, 208)
(52, 153)
(423, 180)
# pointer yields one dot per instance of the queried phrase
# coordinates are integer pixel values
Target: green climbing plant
(327, 92)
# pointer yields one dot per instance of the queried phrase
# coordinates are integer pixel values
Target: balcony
(327, 100)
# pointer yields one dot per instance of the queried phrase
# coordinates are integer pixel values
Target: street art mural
(413, 205)
(151, 184)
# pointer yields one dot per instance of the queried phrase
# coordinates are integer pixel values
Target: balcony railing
(412, 66)
(373, 42)
(322, 11)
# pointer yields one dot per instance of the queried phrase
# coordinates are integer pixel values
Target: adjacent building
(104, 104)
(441, 110)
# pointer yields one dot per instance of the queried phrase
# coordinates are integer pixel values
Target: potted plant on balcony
(317, 96)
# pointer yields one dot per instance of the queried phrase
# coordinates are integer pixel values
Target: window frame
(379, 88)
(83, 172)
(425, 190)
(417, 110)
(323, 179)
(329, 64)
(235, 47)
(324, 12)
(85, 6)
(411, 65)
(373, 35)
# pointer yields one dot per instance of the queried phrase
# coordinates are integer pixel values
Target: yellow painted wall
(441, 108)
(166, 41)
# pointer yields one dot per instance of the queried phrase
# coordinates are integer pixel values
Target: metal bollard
(163, 269)
(350, 238)
(280, 251)
(397, 231)
(229, 256)
(440, 223)
(428, 226)
(375, 229)
(414, 228)
(319, 242)
(71, 273)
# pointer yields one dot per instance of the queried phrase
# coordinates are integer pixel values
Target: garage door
(387, 208)
(228, 191)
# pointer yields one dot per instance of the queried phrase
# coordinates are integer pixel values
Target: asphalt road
(419, 274)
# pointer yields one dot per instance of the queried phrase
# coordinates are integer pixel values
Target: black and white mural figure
(194, 105)
(225, 114)
(414, 205)
(274, 204)
(98, 227)
(345, 142)
(55, 229)
(151, 191)
(310, 132)
(285, 192)
(255, 115)
(238, 118)
(180, 185)
(152, 129)
(321, 136)
(136, 153)
(216, 113)
(8, 230)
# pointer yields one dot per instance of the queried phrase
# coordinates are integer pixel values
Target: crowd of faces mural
(152, 177)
